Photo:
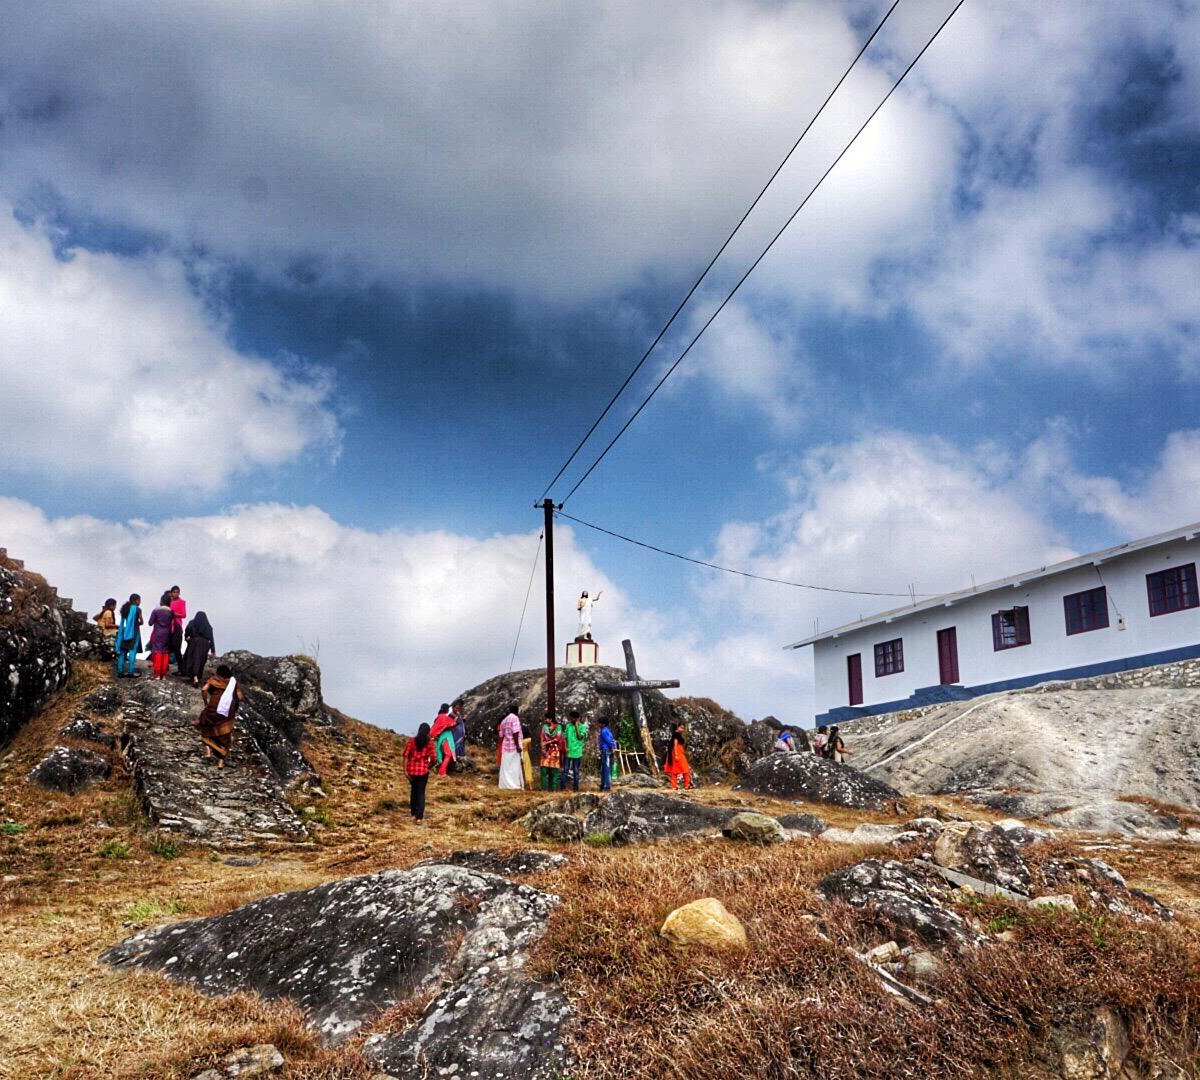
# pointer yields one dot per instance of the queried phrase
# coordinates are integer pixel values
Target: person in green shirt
(577, 730)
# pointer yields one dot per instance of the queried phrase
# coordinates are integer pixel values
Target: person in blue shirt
(607, 745)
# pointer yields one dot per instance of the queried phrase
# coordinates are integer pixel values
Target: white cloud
(114, 368)
(537, 147)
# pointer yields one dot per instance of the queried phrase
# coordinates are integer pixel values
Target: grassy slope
(794, 1004)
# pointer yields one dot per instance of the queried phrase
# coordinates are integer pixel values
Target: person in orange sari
(676, 763)
(221, 695)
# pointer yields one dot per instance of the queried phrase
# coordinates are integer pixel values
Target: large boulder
(496, 862)
(282, 703)
(653, 816)
(69, 768)
(806, 776)
(988, 854)
(349, 949)
(754, 827)
(902, 895)
(34, 648)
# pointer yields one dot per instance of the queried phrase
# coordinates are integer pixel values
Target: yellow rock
(704, 922)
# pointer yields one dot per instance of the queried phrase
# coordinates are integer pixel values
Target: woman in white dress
(512, 772)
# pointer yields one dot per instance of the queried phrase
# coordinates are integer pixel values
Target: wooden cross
(633, 686)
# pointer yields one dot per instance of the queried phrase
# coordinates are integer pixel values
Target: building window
(1172, 590)
(889, 657)
(1010, 628)
(1086, 610)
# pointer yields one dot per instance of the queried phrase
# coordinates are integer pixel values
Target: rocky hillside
(1118, 753)
(719, 743)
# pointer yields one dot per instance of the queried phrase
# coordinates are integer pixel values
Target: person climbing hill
(221, 695)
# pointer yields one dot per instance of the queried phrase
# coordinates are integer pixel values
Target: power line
(528, 589)
(712, 262)
(730, 570)
(754, 265)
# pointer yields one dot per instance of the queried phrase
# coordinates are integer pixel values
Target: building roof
(1185, 532)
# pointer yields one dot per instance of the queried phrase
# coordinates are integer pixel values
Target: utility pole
(548, 507)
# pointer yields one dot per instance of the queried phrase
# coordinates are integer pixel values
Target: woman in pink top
(512, 774)
(179, 616)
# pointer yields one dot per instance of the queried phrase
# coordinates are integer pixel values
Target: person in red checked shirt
(418, 757)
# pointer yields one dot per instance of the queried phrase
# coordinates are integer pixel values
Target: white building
(1130, 606)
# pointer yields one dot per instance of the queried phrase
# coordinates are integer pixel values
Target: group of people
(441, 745)
(829, 744)
(189, 646)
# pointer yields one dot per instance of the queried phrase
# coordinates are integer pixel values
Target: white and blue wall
(1133, 638)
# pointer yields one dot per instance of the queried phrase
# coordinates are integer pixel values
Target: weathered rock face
(806, 776)
(182, 791)
(1104, 888)
(348, 949)
(494, 862)
(807, 823)
(69, 768)
(988, 854)
(715, 737)
(34, 655)
(904, 895)
(653, 816)
(283, 701)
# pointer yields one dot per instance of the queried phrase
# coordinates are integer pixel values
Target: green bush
(12, 828)
(163, 847)
(146, 910)
(114, 849)
(598, 839)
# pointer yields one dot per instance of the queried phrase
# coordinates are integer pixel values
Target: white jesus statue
(585, 614)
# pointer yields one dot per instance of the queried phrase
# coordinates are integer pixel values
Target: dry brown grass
(794, 1004)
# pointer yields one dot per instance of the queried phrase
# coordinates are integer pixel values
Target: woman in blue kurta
(129, 637)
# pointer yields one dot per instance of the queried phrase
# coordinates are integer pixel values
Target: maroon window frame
(1010, 629)
(889, 657)
(1087, 610)
(1172, 590)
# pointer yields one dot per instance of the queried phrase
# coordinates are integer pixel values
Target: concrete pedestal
(582, 654)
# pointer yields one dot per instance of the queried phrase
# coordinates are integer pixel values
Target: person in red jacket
(418, 757)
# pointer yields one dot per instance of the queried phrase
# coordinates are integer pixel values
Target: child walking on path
(418, 757)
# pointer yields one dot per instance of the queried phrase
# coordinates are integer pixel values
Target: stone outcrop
(806, 776)
(627, 817)
(705, 923)
(85, 729)
(34, 650)
(988, 854)
(903, 895)
(716, 738)
(184, 792)
(347, 950)
(518, 863)
(1104, 888)
(69, 768)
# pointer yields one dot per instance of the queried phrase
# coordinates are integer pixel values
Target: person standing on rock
(512, 775)
(460, 730)
(200, 646)
(418, 757)
(161, 622)
(577, 730)
(107, 619)
(550, 759)
(676, 763)
(178, 613)
(221, 695)
(786, 743)
(819, 740)
(608, 744)
(129, 637)
(835, 747)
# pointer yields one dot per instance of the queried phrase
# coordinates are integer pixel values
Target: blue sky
(303, 307)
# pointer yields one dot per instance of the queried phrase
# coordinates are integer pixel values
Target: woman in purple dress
(161, 621)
